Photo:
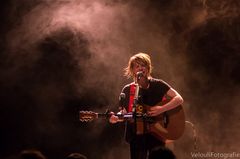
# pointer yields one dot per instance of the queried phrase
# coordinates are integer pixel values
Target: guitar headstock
(86, 116)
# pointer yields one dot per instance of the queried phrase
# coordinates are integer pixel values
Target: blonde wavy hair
(140, 58)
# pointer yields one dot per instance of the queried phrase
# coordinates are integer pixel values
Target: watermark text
(220, 155)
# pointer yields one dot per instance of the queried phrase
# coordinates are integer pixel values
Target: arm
(176, 100)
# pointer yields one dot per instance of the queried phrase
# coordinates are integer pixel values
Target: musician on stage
(151, 92)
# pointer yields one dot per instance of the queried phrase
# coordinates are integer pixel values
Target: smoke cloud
(60, 57)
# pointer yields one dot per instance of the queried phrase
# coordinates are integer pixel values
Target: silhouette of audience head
(76, 156)
(32, 154)
(162, 152)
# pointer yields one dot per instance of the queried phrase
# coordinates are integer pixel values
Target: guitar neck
(120, 116)
(127, 116)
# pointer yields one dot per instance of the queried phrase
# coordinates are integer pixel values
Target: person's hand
(155, 110)
(113, 118)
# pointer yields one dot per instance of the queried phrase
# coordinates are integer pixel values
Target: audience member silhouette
(162, 152)
(76, 156)
(32, 154)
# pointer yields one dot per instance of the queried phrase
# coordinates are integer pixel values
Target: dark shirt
(150, 96)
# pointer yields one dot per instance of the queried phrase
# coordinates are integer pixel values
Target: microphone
(139, 75)
(122, 97)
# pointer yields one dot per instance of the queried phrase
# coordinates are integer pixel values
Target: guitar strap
(131, 97)
(140, 126)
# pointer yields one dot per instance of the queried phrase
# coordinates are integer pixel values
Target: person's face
(137, 67)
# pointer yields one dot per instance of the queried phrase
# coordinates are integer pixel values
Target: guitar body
(167, 126)
(174, 127)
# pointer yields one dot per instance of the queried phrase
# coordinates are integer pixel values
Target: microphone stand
(134, 110)
(134, 113)
(136, 101)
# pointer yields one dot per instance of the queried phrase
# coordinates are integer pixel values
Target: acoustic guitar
(166, 126)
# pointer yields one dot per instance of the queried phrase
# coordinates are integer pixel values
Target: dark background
(60, 57)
